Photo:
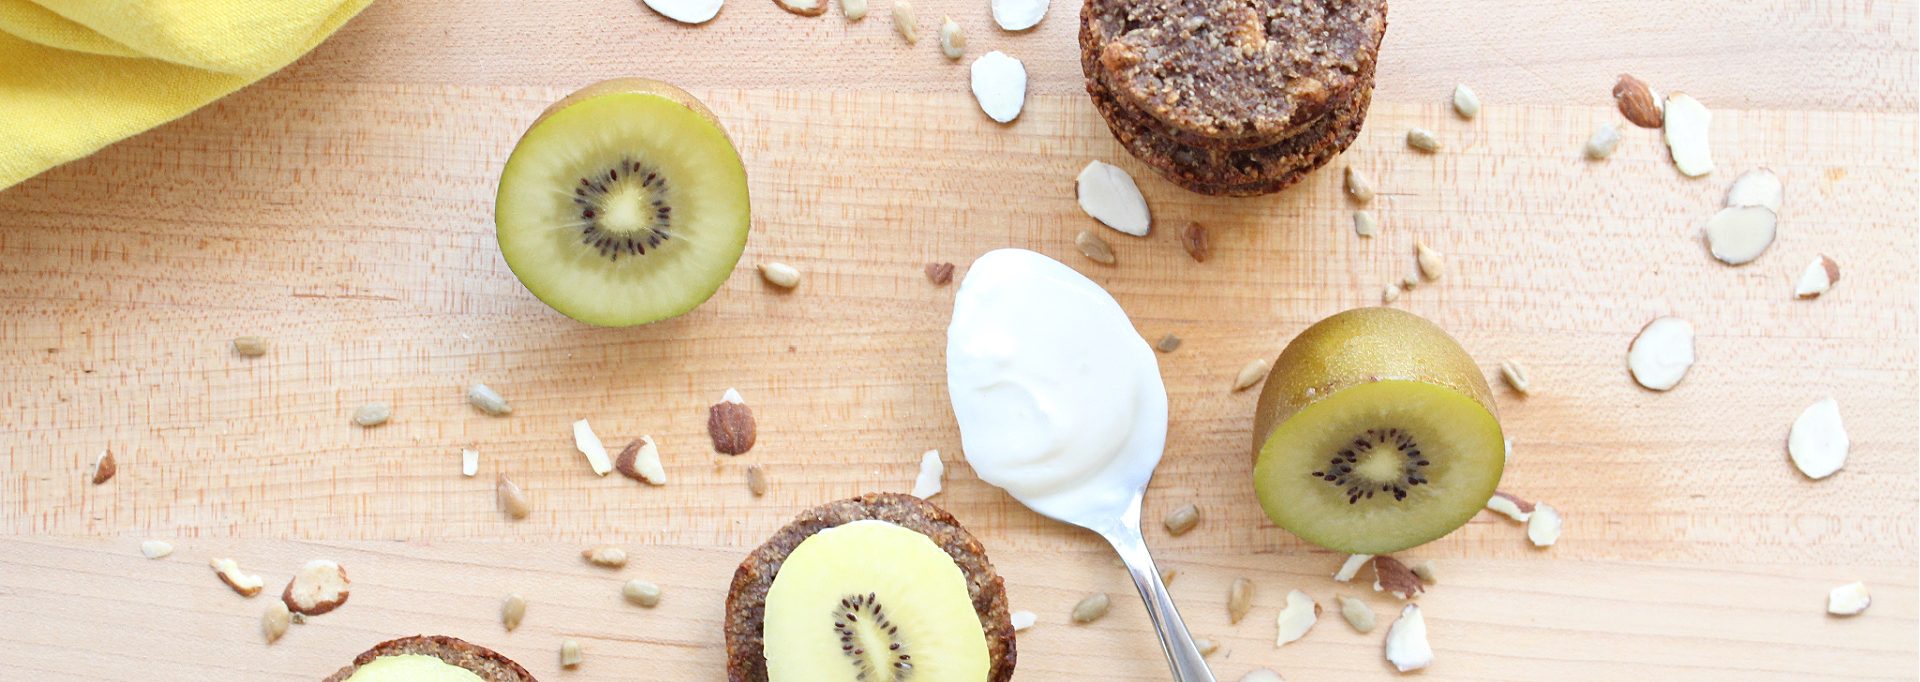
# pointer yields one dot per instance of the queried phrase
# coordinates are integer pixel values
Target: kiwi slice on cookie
(430, 658)
(625, 203)
(1375, 432)
(878, 588)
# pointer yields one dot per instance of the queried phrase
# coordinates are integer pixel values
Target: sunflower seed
(372, 414)
(1516, 376)
(488, 400)
(1239, 599)
(569, 653)
(1167, 344)
(513, 611)
(1359, 186)
(1249, 375)
(512, 500)
(1181, 520)
(1364, 224)
(757, 480)
(1423, 140)
(274, 622)
(780, 275)
(1091, 608)
(641, 592)
(1094, 248)
(250, 346)
(1465, 102)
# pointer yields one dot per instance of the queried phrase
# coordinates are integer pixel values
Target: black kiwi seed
(591, 195)
(1339, 470)
(845, 617)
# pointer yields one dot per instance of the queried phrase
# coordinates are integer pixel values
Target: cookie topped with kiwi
(423, 658)
(878, 588)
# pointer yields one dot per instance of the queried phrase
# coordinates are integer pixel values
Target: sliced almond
(1250, 374)
(1424, 569)
(1686, 123)
(805, 8)
(1604, 140)
(1109, 194)
(640, 461)
(1661, 354)
(854, 10)
(274, 622)
(932, 476)
(1359, 186)
(1094, 248)
(608, 556)
(1432, 263)
(1239, 599)
(1296, 619)
(1364, 224)
(469, 463)
(1393, 577)
(104, 467)
(1515, 375)
(1543, 526)
(905, 21)
(1000, 85)
(1019, 15)
(1849, 599)
(1022, 620)
(1639, 103)
(511, 499)
(1510, 506)
(1407, 647)
(686, 11)
(1757, 187)
(590, 445)
(953, 40)
(320, 586)
(155, 549)
(1357, 613)
(730, 424)
(246, 584)
(1261, 675)
(1351, 567)
(1737, 235)
(780, 274)
(1819, 276)
(1818, 443)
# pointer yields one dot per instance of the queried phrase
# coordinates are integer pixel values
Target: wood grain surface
(343, 209)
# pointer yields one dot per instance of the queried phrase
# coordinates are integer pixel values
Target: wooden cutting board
(344, 210)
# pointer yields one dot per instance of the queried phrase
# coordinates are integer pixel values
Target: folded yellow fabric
(78, 75)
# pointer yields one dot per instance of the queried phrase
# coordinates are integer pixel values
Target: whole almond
(731, 426)
(1637, 102)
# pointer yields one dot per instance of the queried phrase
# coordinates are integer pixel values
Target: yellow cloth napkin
(78, 75)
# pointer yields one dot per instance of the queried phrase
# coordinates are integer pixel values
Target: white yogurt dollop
(1059, 400)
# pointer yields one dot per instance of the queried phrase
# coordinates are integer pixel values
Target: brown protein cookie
(1250, 71)
(479, 660)
(747, 599)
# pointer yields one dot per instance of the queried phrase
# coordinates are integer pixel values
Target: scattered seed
(104, 467)
(1604, 140)
(1359, 186)
(512, 500)
(1357, 614)
(1167, 344)
(372, 414)
(488, 400)
(1091, 608)
(1205, 646)
(1849, 599)
(1407, 647)
(1639, 103)
(1364, 224)
(155, 549)
(1432, 263)
(1465, 103)
(605, 555)
(1543, 526)
(1818, 442)
(297, 618)
(1817, 278)
(1757, 187)
(1423, 140)
(1516, 376)
(569, 653)
(1197, 242)
(274, 622)
(1239, 599)
(250, 346)
(1183, 519)
(1424, 569)
(641, 592)
(854, 9)
(1409, 282)
(512, 611)
(1094, 248)
(1296, 619)
(780, 275)
(905, 22)
(1249, 375)
(1022, 620)
(469, 463)
(757, 480)
(1389, 293)
(1686, 128)
(932, 476)
(1737, 235)
(940, 273)
(953, 41)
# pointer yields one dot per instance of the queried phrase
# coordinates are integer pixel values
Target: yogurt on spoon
(1060, 403)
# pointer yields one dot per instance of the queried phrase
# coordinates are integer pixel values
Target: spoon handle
(1182, 656)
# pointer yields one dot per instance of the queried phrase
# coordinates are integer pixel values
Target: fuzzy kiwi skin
(1359, 346)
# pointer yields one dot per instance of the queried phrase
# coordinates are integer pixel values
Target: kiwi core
(624, 210)
(1379, 461)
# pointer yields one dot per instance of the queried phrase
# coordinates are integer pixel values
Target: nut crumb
(245, 584)
(512, 500)
(1167, 344)
(607, 556)
(372, 414)
(104, 467)
(488, 400)
(569, 653)
(1197, 242)
(1432, 263)
(1351, 567)
(1849, 599)
(1094, 248)
(1359, 186)
(1296, 619)
(1205, 646)
(1510, 506)
(319, 587)
(250, 346)
(1022, 620)
(1390, 293)
(905, 22)
(640, 461)
(1515, 375)
(1364, 224)
(940, 273)
(1605, 139)
(1424, 569)
(757, 480)
(155, 549)
(780, 275)
(1394, 577)
(854, 9)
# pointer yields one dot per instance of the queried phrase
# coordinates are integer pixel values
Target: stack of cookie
(1232, 97)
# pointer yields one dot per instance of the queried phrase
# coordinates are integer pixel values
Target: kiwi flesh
(869, 601)
(1375, 432)
(624, 203)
